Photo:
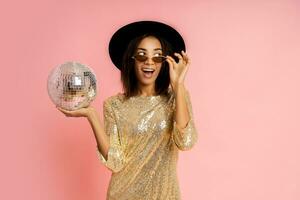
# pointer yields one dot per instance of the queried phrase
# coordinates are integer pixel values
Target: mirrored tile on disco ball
(72, 85)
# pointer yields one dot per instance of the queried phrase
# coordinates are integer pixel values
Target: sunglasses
(143, 58)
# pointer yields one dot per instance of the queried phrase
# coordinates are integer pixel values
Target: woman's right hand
(82, 112)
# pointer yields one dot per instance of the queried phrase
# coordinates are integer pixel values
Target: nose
(149, 61)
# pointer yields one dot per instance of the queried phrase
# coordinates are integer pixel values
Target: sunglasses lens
(141, 58)
(158, 59)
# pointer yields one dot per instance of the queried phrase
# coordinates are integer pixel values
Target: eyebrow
(146, 49)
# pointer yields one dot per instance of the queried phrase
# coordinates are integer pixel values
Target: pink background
(244, 84)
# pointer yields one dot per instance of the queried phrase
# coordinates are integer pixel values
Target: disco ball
(72, 85)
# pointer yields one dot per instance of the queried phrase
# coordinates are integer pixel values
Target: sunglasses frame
(164, 58)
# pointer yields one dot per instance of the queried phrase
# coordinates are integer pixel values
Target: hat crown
(121, 38)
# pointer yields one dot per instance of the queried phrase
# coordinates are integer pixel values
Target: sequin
(144, 146)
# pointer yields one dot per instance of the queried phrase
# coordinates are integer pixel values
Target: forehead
(149, 43)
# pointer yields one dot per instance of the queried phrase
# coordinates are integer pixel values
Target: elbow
(114, 160)
(187, 138)
(187, 145)
(188, 141)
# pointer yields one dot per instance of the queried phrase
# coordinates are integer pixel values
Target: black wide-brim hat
(119, 41)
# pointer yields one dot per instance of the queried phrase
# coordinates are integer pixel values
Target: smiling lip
(145, 69)
(148, 72)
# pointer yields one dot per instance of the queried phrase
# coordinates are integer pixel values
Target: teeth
(148, 70)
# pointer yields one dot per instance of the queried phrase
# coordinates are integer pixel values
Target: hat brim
(121, 38)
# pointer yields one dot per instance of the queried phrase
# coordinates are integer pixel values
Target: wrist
(177, 87)
(91, 113)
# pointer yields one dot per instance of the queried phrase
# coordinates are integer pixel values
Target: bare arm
(184, 131)
(109, 148)
(102, 139)
(91, 114)
(181, 114)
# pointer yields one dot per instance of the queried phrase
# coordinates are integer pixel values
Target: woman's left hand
(82, 112)
(178, 70)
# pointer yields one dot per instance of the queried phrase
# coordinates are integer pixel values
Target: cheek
(136, 69)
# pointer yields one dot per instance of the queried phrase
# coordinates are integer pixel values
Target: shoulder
(114, 101)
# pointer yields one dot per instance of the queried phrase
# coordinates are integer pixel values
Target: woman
(147, 125)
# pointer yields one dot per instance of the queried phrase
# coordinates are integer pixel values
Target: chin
(147, 82)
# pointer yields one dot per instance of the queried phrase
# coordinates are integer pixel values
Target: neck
(146, 90)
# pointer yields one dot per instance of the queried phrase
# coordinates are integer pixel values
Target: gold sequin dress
(144, 146)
